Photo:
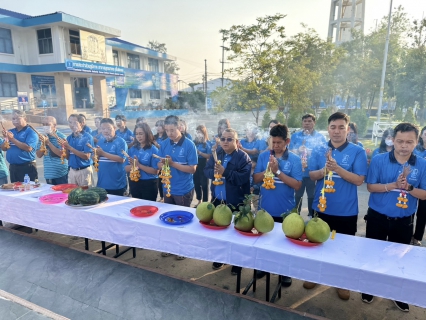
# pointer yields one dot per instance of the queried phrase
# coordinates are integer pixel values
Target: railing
(379, 128)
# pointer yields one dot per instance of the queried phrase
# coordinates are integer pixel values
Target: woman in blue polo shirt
(159, 138)
(353, 134)
(141, 153)
(386, 144)
(183, 129)
(204, 152)
(97, 134)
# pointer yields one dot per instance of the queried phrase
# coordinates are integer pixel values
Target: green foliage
(169, 66)
(398, 115)
(280, 117)
(360, 118)
(266, 119)
(409, 116)
(295, 119)
(322, 120)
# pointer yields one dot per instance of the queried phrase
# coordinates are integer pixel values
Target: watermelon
(101, 192)
(88, 198)
(73, 196)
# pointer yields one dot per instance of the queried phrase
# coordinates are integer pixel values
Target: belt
(23, 164)
(81, 168)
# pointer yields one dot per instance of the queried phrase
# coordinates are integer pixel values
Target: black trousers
(420, 220)
(117, 192)
(18, 171)
(309, 185)
(144, 189)
(380, 227)
(160, 188)
(201, 181)
(343, 225)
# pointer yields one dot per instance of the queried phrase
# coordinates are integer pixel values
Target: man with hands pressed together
(348, 163)
(396, 180)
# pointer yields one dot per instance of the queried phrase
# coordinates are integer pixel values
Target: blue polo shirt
(183, 152)
(17, 156)
(257, 144)
(159, 139)
(220, 190)
(204, 148)
(385, 169)
(352, 158)
(112, 175)
(145, 158)
(87, 129)
(80, 143)
(125, 135)
(419, 152)
(311, 141)
(281, 199)
(4, 172)
(52, 163)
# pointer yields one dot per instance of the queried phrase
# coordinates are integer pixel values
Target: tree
(409, 116)
(169, 66)
(280, 117)
(266, 119)
(361, 120)
(322, 121)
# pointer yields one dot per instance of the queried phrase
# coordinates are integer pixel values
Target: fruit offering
(166, 176)
(222, 215)
(263, 222)
(244, 219)
(204, 211)
(293, 225)
(268, 179)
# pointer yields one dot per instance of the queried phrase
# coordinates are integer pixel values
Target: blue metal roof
(127, 42)
(13, 14)
(125, 45)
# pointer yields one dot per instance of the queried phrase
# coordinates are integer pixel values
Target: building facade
(58, 63)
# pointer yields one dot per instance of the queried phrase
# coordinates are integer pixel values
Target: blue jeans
(56, 181)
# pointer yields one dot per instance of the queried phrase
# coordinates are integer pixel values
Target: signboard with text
(93, 68)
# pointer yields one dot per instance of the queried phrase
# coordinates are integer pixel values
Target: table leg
(268, 284)
(237, 289)
(277, 290)
(86, 244)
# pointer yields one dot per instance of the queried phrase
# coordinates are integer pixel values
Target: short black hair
(309, 115)
(354, 127)
(83, 116)
(107, 120)
(171, 120)
(406, 127)
(338, 116)
(120, 117)
(79, 117)
(280, 130)
(273, 121)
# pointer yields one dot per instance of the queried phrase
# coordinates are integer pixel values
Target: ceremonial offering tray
(19, 186)
(250, 233)
(176, 217)
(212, 225)
(143, 211)
(62, 187)
(79, 206)
(303, 241)
(53, 198)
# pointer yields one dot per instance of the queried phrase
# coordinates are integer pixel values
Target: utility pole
(205, 78)
(223, 58)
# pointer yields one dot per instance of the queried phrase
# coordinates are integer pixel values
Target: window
(8, 87)
(154, 94)
(135, 93)
(153, 65)
(133, 61)
(44, 38)
(75, 42)
(116, 59)
(6, 41)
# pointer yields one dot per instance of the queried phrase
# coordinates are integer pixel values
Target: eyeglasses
(227, 139)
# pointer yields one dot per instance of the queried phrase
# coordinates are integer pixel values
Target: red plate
(143, 211)
(53, 198)
(303, 241)
(250, 234)
(212, 225)
(62, 187)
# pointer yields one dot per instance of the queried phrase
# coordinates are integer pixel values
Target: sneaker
(343, 294)
(309, 285)
(180, 258)
(402, 306)
(367, 298)
(286, 281)
(165, 254)
(217, 265)
(235, 270)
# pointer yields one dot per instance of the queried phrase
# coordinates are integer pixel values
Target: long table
(386, 269)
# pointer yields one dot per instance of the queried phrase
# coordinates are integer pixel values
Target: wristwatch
(410, 187)
(278, 173)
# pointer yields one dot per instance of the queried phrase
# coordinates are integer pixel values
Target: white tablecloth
(380, 268)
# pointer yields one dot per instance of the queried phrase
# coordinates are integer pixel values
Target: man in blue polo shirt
(348, 163)
(22, 152)
(55, 172)
(396, 180)
(112, 175)
(122, 131)
(79, 153)
(287, 169)
(302, 143)
(182, 158)
(84, 126)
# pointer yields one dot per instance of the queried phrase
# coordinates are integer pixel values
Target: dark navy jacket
(236, 174)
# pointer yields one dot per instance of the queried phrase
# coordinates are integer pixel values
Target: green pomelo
(317, 230)
(222, 215)
(244, 222)
(263, 221)
(204, 211)
(293, 226)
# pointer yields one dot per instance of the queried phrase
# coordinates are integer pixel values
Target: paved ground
(321, 301)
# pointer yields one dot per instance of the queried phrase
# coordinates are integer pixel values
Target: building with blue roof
(60, 63)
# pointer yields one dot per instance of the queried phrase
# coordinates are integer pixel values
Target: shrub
(266, 119)
(360, 118)
(409, 116)
(322, 121)
(280, 117)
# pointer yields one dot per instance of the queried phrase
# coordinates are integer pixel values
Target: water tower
(345, 15)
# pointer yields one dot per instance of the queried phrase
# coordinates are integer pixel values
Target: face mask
(389, 143)
(47, 129)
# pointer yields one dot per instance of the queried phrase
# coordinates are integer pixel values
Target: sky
(190, 28)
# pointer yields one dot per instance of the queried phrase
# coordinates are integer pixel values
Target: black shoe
(286, 281)
(235, 270)
(217, 265)
(367, 298)
(260, 274)
(402, 306)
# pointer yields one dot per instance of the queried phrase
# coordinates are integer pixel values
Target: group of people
(396, 176)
